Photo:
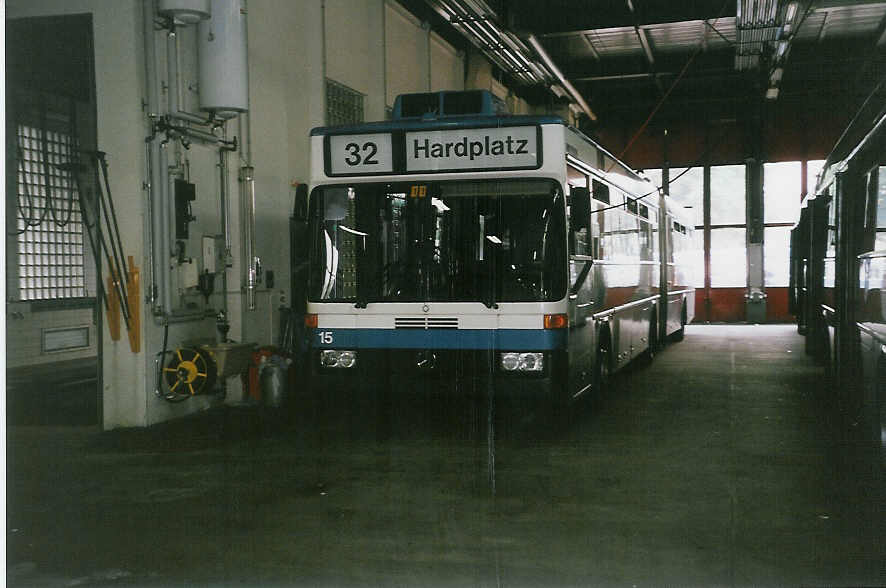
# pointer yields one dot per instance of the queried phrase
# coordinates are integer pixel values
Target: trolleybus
(456, 236)
(838, 263)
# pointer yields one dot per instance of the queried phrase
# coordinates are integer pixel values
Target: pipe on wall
(169, 131)
(150, 164)
(164, 232)
(152, 88)
(253, 263)
(154, 180)
(224, 214)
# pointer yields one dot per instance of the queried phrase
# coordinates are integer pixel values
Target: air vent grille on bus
(432, 105)
(425, 322)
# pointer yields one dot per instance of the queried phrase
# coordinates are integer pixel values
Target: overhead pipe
(549, 63)
(505, 49)
(173, 131)
(472, 23)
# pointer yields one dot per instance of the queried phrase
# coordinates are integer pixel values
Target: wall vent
(65, 339)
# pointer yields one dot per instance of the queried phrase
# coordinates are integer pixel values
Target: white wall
(417, 59)
(406, 51)
(372, 46)
(354, 45)
(24, 343)
(447, 65)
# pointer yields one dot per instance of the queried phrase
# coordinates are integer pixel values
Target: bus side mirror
(300, 206)
(580, 207)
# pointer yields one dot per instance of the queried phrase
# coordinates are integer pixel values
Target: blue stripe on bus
(506, 339)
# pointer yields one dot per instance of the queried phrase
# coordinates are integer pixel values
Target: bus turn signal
(556, 321)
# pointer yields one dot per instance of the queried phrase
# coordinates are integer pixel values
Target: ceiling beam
(574, 94)
(553, 17)
(647, 47)
(719, 60)
(619, 77)
(836, 5)
(590, 44)
(881, 34)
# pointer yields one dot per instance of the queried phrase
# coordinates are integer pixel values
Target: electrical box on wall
(213, 254)
(185, 193)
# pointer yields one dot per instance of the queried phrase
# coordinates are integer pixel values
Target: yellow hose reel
(189, 371)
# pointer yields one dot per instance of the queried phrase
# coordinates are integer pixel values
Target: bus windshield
(487, 241)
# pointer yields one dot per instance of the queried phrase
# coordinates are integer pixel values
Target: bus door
(581, 303)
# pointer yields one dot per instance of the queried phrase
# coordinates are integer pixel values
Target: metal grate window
(49, 225)
(344, 106)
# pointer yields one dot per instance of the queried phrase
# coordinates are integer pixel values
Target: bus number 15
(325, 337)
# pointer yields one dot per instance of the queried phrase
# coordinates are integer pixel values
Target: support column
(756, 294)
(666, 245)
(706, 214)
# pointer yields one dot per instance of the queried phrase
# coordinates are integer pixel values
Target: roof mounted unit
(432, 105)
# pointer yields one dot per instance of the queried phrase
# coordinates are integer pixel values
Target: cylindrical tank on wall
(221, 54)
(186, 12)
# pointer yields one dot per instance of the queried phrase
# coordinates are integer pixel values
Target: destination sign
(360, 154)
(469, 149)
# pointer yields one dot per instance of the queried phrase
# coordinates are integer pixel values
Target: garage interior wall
(374, 47)
(51, 61)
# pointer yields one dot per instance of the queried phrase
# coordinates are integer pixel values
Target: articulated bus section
(512, 246)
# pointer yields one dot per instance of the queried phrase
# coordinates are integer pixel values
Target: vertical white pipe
(152, 90)
(154, 178)
(172, 76)
(224, 213)
(225, 220)
(247, 184)
(165, 224)
(150, 165)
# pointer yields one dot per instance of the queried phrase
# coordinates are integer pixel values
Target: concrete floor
(717, 465)
(57, 393)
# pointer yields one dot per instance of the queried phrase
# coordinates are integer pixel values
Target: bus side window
(579, 211)
(601, 192)
(669, 240)
(647, 243)
(877, 189)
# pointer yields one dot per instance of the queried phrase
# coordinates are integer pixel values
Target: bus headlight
(338, 358)
(522, 362)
